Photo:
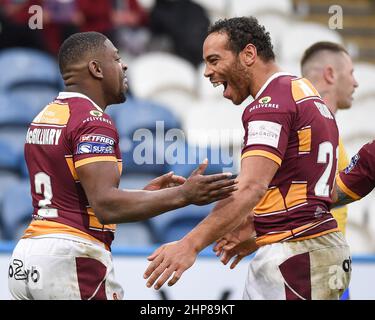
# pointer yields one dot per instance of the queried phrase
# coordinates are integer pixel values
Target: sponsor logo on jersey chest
(96, 113)
(264, 100)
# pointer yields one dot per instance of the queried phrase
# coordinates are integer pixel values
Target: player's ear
(95, 69)
(249, 54)
(329, 74)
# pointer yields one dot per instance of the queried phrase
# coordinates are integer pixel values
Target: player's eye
(213, 62)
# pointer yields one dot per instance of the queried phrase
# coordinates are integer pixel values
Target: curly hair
(242, 31)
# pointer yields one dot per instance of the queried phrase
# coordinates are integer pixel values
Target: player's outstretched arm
(170, 261)
(100, 181)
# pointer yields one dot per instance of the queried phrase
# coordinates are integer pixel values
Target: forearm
(226, 216)
(135, 205)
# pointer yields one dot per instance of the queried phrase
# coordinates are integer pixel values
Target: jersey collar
(265, 85)
(67, 95)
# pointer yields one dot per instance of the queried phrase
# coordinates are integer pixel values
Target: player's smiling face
(224, 67)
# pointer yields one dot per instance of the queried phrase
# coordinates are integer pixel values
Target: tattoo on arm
(342, 198)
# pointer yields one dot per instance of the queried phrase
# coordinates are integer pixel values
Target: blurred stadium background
(161, 41)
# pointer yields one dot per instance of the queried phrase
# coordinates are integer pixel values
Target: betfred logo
(95, 143)
(97, 138)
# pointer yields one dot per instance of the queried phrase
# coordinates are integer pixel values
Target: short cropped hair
(242, 31)
(78, 45)
(317, 47)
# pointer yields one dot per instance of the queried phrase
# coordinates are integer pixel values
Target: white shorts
(317, 268)
(49, 268)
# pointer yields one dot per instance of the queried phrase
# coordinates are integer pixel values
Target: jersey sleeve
(358, 179)
(94, 141)
(267, 133)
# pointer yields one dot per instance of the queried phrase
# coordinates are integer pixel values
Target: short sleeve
(92, 142)
(267, 132)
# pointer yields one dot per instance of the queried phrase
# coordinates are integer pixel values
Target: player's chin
(122, 97)
(237, 100)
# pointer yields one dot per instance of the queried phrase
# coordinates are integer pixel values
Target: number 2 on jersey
(42, 179)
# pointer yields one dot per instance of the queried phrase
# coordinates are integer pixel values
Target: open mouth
(218, 83)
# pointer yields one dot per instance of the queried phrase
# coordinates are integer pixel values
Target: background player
(287, 172)
(329, 68)
(74, 164)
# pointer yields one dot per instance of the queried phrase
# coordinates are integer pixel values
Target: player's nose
(208, 71)
(355, 84)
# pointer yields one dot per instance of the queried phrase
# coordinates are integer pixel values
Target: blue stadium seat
(21, 66)
(15, 111)
(8, 156)
(136, 114)
(11, 147)
(16, 209)
(175, 224)
(7, 179)
(34, 98)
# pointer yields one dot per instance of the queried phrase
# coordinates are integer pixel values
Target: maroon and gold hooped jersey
(68, 133)
(358, 178)
(289, 123)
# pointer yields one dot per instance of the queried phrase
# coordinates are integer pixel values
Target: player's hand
(237, 238)
(243, 232)
(200, 189)
(169, 262)
(167, 180)
(238, 251)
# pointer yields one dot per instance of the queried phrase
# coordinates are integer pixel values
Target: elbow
(103, 212)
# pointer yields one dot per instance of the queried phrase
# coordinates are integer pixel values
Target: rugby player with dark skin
(101, 76)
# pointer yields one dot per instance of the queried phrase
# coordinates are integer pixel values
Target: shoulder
(84, 113)
(276, 98)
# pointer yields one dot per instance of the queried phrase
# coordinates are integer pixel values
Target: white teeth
(216, 84)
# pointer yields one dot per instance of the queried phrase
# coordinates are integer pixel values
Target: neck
(262, 72)
(94, 95)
